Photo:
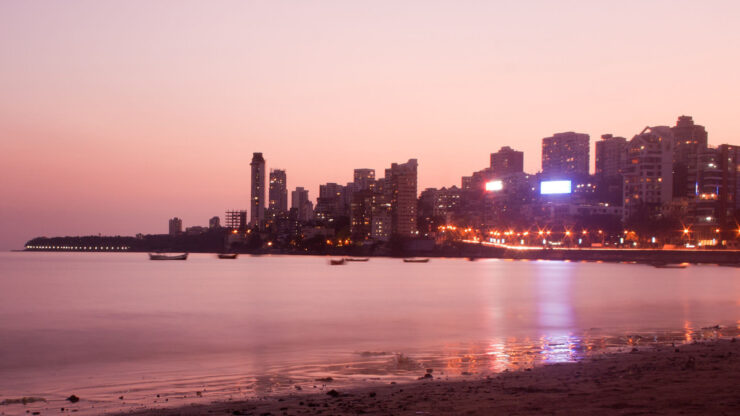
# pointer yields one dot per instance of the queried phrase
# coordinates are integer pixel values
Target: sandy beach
(700, 378)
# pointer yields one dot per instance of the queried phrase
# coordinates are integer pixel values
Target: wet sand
(700, 378)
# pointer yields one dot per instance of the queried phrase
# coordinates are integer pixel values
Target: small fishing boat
(664, 265)
(162, 256)
(415, 260)
(357, 259)
(336, 262)
(227, 255)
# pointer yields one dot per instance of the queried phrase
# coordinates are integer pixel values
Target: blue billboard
(555, 187)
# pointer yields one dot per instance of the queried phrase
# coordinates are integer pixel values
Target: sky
(118, 115)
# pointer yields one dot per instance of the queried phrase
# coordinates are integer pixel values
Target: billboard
(493, 186)
(555, 187)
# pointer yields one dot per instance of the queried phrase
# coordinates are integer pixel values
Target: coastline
(724, 257)
(698, 378)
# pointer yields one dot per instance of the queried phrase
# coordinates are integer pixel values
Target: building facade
(648, 175)
(300, 202)
(257, 201)
(690, 143)
(565, 154)
(507, 161)
(175, 227)
(278, 194)
(364, 179)
(610, 156)
(401, 179)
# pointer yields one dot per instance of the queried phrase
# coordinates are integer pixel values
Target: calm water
(108, 325)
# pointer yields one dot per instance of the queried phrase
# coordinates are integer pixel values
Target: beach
(693, 379)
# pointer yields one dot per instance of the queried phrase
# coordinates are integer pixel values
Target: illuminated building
(565, 154)
(401, 181)
(729, 190)
(278, 202)
(175, 226)
(364, 179)
(361, 215)
(257, 202)
(610, 156)
(381, 222)
(648, 176)
(507, 161)
(690, 142)
(331, 203)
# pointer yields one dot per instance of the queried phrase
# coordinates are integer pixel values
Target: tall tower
(278, 191)
(565, 154)
(401, 178)
(257, 203)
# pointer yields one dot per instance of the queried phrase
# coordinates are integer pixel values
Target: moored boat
(227, 255)
(415, 260)
(160, 256)
(664, 265)
(336, 262)
(357, 259)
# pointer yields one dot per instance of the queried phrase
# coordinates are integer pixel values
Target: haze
(116, 116)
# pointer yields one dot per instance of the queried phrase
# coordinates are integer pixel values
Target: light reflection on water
(110, 325)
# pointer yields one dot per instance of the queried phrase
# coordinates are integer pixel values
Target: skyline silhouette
(117, 117)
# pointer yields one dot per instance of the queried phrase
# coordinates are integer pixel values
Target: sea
(124, 333)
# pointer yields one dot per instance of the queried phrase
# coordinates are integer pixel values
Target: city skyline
(136, 119)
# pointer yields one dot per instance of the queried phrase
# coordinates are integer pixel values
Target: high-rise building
(610, 156)
(364, 179)
(401, 179)
(565, 154)
(300, 202)
(278, 202)
(257, 202)
(175, 227)
(610, 163)
(361, 215)
(214, 222)
(507, 161)
(381, 226)
(729, 191)
(331, 202)
(691, 141)
(648, 176)
(705, 206)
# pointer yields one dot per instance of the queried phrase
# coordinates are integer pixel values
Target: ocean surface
(123, 332)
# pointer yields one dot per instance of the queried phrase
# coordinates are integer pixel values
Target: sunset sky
(117, 115)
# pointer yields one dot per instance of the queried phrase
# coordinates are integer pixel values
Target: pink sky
(116, 116)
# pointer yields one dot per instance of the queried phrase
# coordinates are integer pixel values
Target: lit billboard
(555, 187)
(493, 186)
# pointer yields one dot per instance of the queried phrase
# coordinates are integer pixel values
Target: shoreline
(698, 378)
(655, 257)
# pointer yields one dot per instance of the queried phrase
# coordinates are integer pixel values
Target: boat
(357, 259)
(664, 265)
(227, 255)
(161, 256)
(336, 262)
(414, 260)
